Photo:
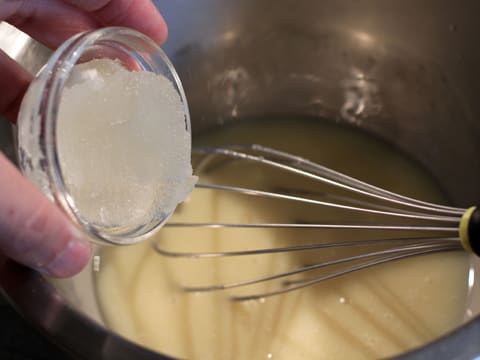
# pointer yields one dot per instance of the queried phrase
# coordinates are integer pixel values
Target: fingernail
(71, 259)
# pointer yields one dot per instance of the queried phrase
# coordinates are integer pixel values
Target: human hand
(33, 231)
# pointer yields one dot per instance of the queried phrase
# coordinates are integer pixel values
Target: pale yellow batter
(373, 313)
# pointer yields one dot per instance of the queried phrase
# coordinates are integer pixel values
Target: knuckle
(112, 12)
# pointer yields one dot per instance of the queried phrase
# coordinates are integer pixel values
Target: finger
(53, 21)
(35, 232)
(49, 21)
(15, 81)
(141, 15)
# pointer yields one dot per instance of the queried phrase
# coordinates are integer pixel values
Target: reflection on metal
(471, 278)
(12, 41)
(236, 85)
(229, 36)
(22, 48)
(361, 98)
(363, 38)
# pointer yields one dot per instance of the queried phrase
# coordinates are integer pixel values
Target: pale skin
(33, 231)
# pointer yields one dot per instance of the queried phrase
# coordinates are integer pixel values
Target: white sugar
(123, 145)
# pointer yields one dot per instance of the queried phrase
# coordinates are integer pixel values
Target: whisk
(442, 228)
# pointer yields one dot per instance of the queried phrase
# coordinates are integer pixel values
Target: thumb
(33, 231)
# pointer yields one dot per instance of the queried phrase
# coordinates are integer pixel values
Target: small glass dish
(37, 141)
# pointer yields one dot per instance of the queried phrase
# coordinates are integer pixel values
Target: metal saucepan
(404, 70)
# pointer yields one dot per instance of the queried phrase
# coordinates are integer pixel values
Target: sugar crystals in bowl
(112, 134)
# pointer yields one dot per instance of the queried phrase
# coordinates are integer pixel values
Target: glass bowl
(38, 121)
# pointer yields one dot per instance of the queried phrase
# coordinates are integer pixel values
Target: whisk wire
(345, 271)
(323, 174)
(379, 257)
(356, 243)
(340, 177)
(269, 194)
(433, 220)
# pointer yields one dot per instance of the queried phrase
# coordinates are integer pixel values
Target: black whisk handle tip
(470, 230)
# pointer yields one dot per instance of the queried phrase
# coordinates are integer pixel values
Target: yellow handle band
(463, 230)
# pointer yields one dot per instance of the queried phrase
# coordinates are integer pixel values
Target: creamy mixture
(373, 313)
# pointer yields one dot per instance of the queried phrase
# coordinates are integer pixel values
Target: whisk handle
(470, 230)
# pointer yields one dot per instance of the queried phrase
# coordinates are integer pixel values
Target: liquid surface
(373, 313)
(113, 127)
